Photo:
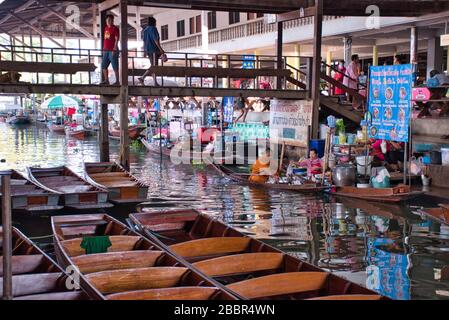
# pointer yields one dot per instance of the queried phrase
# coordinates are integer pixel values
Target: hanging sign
(290, 121)
(248, 62)
(444, 40)
(390, 102)
(228, 109)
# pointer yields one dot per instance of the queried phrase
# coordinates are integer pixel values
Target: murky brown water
(385, 247)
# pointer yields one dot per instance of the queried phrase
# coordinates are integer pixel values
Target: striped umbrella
(59, 102)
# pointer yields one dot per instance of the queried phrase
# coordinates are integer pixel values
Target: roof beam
(42, 33)
(67, 21)
(17, 10)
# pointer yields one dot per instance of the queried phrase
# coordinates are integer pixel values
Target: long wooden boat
(28, 196)
(247, 267)
(57, 128)
(133, 268)
(18, 120)
(133, 132)
(79, 134)
(76, 193)
(395, 194)
(167, 152)
(121, 185)
(440, 214)
(35, 275)
(243, 178)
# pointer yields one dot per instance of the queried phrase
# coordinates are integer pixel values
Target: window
(198, 23)
(164, 32)
(192, 25)
(234, 17)
(252, 16)
(180, 27)
(212, 20)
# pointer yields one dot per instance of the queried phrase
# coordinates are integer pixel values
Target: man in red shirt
(110, 49)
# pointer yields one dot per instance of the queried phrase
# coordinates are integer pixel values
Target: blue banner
(248, 62)
(390, 102)
(228, 109)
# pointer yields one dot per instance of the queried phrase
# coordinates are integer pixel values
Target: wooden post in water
(279, 53)
(7, 234)
(124, 138)
(104, 133)
(316, 72)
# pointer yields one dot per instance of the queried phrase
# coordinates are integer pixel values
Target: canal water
(388, 248)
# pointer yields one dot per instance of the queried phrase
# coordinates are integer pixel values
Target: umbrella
(59, 102)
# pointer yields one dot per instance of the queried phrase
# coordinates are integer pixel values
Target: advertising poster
(248, 62)
(228, 109)
(290, 121)
(390, 102)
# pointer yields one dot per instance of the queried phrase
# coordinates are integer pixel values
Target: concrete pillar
(347, 42)
(414, 45)
(434, 55)
(328, 61)
(204, 32)
(375, 55)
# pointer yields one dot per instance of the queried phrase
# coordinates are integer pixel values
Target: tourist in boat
(152, 47)
(110, 49)
(351, 78)
(313, 163)
(261, 170)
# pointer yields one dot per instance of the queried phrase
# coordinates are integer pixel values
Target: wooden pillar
(124, 138)
(279, 53)
(104, 133)
(375, 55)
(316, 67)
(7, 234)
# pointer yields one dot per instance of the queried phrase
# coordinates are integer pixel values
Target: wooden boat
(248, 267)
(133, 268)
(28, 196)
(57, 128)
(18, 120)
(440, 214)
(243, 178)
(133, 132)
(76, 193)
(121, 185)
(75, 133)
(166, 152)
(35, 275)
(395, 194)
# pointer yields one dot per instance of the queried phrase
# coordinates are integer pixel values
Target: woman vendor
(313, 164)
(261, 170)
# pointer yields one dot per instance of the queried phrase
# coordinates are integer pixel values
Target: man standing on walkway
(152, 47)
(351, 78)
(110, 49)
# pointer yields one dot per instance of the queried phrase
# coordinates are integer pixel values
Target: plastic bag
(416, 166)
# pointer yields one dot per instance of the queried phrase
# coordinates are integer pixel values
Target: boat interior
(246, 266)
(133, 267)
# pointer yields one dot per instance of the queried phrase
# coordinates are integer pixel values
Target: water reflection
(386, 247)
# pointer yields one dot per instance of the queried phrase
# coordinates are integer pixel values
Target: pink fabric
(310, 163)
(352, 72)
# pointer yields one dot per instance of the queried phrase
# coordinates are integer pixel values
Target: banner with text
(390, 102)
(290, 121)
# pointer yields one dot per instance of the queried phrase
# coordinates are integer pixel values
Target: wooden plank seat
(53, 296)
(176, 293)
(240, 264)
(29, 284)
(211, 246)
(47, 67)
(120, 184)
(22, 264)
(349, 297)
(74, 189)
(119, 243)
(170, 71)
(280, 284)
(59, 179)
(108, 174)
(115, 281)
(116, 260)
